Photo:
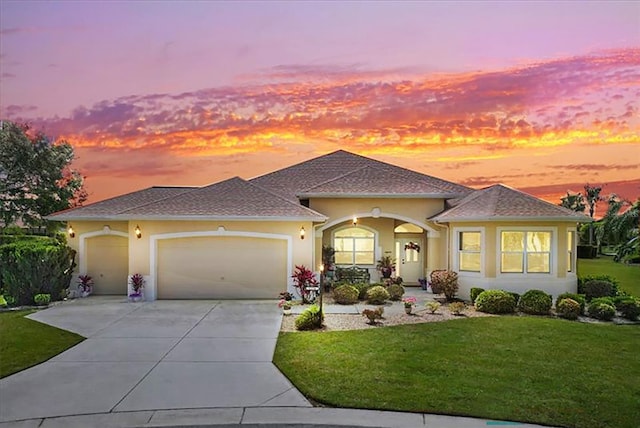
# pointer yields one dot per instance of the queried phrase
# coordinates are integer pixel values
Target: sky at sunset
(541, 96)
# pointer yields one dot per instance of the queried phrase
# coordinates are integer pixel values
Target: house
(243, 238)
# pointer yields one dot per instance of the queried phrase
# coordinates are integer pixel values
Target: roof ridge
(193, 189)
(557, 207)
(282, 198)
(335, 178)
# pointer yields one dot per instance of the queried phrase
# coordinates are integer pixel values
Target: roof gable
(301, 178)
(500, 202)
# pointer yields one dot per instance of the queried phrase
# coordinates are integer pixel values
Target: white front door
(409, 261)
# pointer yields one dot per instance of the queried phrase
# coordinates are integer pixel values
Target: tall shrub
(445, 282)
(304, 278)
(28, 268)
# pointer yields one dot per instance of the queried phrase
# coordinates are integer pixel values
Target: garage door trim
(82, 245)
(151, 288)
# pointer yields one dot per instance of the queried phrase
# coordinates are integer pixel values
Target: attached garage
(221, 267)
(107, 261)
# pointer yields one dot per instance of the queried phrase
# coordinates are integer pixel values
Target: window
(354, 246)
(469, 251)
(571, 239)
(528, 252)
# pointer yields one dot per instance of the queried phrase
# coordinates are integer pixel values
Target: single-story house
(243, 238)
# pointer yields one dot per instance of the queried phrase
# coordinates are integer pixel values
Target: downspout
(448, 245)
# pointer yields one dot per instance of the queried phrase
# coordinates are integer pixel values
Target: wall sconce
(355, 221)
(72, 233)
(302, 232)
(138, 232)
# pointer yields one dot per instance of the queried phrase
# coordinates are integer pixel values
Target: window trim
(456, 252)
(553, 250)
(375, 243)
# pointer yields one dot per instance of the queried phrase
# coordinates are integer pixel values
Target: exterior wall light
(355, 221)
(138, 232)
(72, 233)
(302, 232)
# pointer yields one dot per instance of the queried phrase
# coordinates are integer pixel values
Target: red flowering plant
(137, 282)
(303, 279)
(85, 282)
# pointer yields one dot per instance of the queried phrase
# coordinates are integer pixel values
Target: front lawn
(528, 369)
(629, 276)
(25, 343)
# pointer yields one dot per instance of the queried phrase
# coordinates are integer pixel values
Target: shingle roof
(501, 203)
(114, 206)
(364, 173)
(232, 198)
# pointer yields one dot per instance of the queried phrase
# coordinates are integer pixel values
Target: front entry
(409, 259)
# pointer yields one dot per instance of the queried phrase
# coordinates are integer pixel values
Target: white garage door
(221, 268)
(108, 263)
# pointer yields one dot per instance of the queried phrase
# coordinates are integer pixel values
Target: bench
(353, 274)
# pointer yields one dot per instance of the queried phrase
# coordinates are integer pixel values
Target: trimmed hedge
(377, 295)
(37, 266)
(345, 295)
(599, 288)
(628, 306)
(516, 296)
(568, 308)
(495, 302)
(600, 309)
(362, 288)
(536, 302)
(576, 297)
(310, 319)
(582, 280)
(474, 293)
(396, 291)
(445, 282)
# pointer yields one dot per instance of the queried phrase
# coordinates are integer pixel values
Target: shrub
(11, 301)
(475, 291)
(35, 267)
(495, 302)
(568, 308)
(396, 291)
(304, 278)
(345, 295)
(3, 302)
(599, 288)
(629, 308)
(582, 281)
(432, 307)
(42, 299)
(601, 310)
(607, 300)
(377, 295)
(457, 308)
(536, 302)
(373, 314)
(446, 282)
(310, 319)
(576, 297)
(516, 297)
(362, 288)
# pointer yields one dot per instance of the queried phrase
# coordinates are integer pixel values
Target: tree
(36, 178)
(574, 202)
(592, 194)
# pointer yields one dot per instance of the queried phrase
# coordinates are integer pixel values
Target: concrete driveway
(154, 356)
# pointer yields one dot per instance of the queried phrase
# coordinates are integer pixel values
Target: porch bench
(353, 274)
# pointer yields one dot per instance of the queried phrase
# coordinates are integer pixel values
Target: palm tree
(592, 195)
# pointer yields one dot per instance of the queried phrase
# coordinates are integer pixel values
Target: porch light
(355, 221)
(138, 232)
(72, 233)
(302, 232)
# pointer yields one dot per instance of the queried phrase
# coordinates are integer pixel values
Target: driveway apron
(154, 356)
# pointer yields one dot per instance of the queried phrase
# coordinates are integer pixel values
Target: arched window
(354, 246)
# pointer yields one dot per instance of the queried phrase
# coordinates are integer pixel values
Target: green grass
(528, 369)
(629, 276)
(25, 343)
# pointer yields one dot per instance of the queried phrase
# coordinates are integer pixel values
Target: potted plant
(386, 265)
(286, 306)
(85, 285)
(285, 295)
(409, 303)
(137, 284)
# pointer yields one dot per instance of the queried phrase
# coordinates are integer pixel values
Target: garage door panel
(107, 263)
(221, 267)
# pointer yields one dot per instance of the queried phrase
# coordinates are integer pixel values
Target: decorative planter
(85, 293)
(135, 297)
(408, 309)
(286, 311)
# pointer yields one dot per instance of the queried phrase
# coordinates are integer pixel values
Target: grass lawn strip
(628, 275)
(529, 369)
(25, 343)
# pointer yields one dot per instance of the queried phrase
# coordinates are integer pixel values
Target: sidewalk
(263, 417)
